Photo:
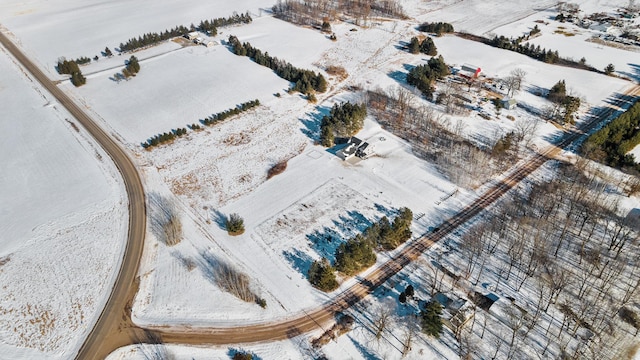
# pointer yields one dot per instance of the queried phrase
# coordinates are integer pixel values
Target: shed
(470, 71)
(509, 103)
(192, 35)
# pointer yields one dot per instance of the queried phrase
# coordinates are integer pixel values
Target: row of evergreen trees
(153, 38)
(305, 81)
(211, 26)
(438, 28)
(223, 115)
(209, 121)
(358, 253)
(344, 119)
(423, 76)
(612, 143)
(530, 50)
(164, 137)
(425, 46)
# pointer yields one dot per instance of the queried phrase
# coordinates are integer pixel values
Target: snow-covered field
(59, 209)
(62, 220)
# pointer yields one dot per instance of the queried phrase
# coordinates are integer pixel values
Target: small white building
(509, 103)
(192, 35)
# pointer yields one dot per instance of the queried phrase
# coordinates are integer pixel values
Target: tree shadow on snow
(219, 219)
(366, 353)
(299, 260)
(311, 122)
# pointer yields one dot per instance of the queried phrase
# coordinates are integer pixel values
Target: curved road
(115, 328)
(113, 315)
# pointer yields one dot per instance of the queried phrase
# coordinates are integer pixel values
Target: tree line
(305, 81)
(424, 76)
(344, 119)
(612, 143)
(209, 26)
(314, 13)
(358, 253)
(209, 121)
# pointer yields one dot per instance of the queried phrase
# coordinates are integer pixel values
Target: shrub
(231, 280)
(235, 225)
(242, 356)
(262, 302)
(276, 169)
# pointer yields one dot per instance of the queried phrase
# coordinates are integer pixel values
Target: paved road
(114, 318)
(115, 329)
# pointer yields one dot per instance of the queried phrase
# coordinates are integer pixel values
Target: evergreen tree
(107, 51)
(609, 69)
(428, 47)
(414, 45)
(322, 276)
(430, 319)
(558, 92)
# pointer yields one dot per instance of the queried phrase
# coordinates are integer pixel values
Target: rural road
(115, 328)
(114, 317)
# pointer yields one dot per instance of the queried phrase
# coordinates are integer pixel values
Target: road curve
(114, 327)
(113, 316)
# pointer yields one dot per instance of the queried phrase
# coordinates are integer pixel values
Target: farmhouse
(355, 147)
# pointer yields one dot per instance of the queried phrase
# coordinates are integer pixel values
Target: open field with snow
(64, 214)
(62, 219)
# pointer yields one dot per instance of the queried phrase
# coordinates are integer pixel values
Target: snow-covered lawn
(62, 220)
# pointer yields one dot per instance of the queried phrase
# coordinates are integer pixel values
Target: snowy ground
(291, 219)
(62, 219)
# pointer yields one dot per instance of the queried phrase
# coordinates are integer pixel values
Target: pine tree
(322, 276)
(609, 69)
(430, 319)
(414, 45)
(428, 47)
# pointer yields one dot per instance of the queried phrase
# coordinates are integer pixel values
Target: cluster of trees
(344, 119)
(315, 12)
(612, 143)
(211, 26)
(425, 46)
(164, 138)
(437, 28)
(530, 50)
(305, 81)
(565, 243)
(223, 115)
(132, 68)
(357, 253)
(423, 76)
(564, 105)
(438, 141)
(209, 121)
(71, 67)
(82, 60)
